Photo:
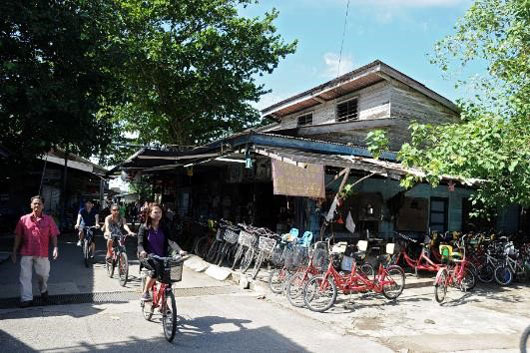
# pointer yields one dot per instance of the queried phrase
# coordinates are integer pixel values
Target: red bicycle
(456, 273)
(163, 297)
(320, 292)
(423, 262)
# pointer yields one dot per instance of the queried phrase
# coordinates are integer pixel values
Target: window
(347, 110)
(305, 120)
(439, 213)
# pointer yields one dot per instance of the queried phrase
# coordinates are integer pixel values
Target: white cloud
(332, 65)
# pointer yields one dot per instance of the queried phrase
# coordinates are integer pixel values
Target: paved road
(208, 322)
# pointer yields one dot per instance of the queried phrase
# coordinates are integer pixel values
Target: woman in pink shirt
(32, 235)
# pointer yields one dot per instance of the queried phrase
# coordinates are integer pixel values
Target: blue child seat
(306, 239)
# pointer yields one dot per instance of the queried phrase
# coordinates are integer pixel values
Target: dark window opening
(347, 110)
(305, 120)
(439, 214)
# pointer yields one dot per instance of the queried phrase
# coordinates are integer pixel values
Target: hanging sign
(292, 180)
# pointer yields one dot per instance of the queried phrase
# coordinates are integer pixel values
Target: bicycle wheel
(110, 264)
(201, 247)
(246, 261)
(294, 288)
(524, 345)
(212, 252)
(468, 280)
(277, 280)
(237, 256)
(123, 269)
(440, 285)
(320, 294)
(222, 254)
(257, 265)
(485, 273)
(368, 270)
(393, 282)
(503, 275)
(86, 252)
(169, 315)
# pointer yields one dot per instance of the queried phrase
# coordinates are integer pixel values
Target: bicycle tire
(257, 265)
(169, 318)
(310, 293)
(503, 275)
(123, 269)
(212, 252)
(525, 341)
(201, 247)
(222, 254)
(237, 256)
(277, 280)
(469, 280)
(246, 261)
(368, 270)
(485, 273)
(440, 285)
(396, 275)
(294, 288)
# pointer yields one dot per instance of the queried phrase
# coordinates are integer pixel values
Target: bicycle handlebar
(178, 258)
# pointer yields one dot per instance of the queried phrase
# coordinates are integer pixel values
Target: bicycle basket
(230, 236)
(246, 239)
(266, 244)
(288, 257)
(277, 256)
(320, 259)
(175, 271)
(300, 256)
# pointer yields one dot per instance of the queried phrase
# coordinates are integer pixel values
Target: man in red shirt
(33, 234)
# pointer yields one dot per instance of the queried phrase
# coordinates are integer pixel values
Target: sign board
(292, 180)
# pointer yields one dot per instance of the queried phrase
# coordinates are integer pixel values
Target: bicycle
(389, 281)
(163, 296)
(457, 272)
(512, 266)
(118, 258)
(89, 245)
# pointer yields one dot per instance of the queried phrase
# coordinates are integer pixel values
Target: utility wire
(343, 35)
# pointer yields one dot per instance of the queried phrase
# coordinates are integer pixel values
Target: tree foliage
(79, 74)
(55, 75)
(492, 141)
(192, 68)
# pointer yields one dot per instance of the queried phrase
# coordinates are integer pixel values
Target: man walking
(33, 234)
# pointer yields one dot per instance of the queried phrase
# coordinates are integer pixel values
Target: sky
(398, 32)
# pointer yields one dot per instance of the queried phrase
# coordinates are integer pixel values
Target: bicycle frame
(356, 281)
(159, 293)
(423, 262)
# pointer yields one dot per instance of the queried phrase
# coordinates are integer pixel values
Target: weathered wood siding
(387, 99)
(373, 103)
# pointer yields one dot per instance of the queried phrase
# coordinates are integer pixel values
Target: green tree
(492, 141)
(192, 66)
(56, 75)
(79, 74)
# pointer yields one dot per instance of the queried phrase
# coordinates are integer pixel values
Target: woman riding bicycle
(154, 237)
(113, 224)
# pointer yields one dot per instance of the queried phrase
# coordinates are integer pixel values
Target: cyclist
(113, 224)
(87, 217)
(154, 237)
